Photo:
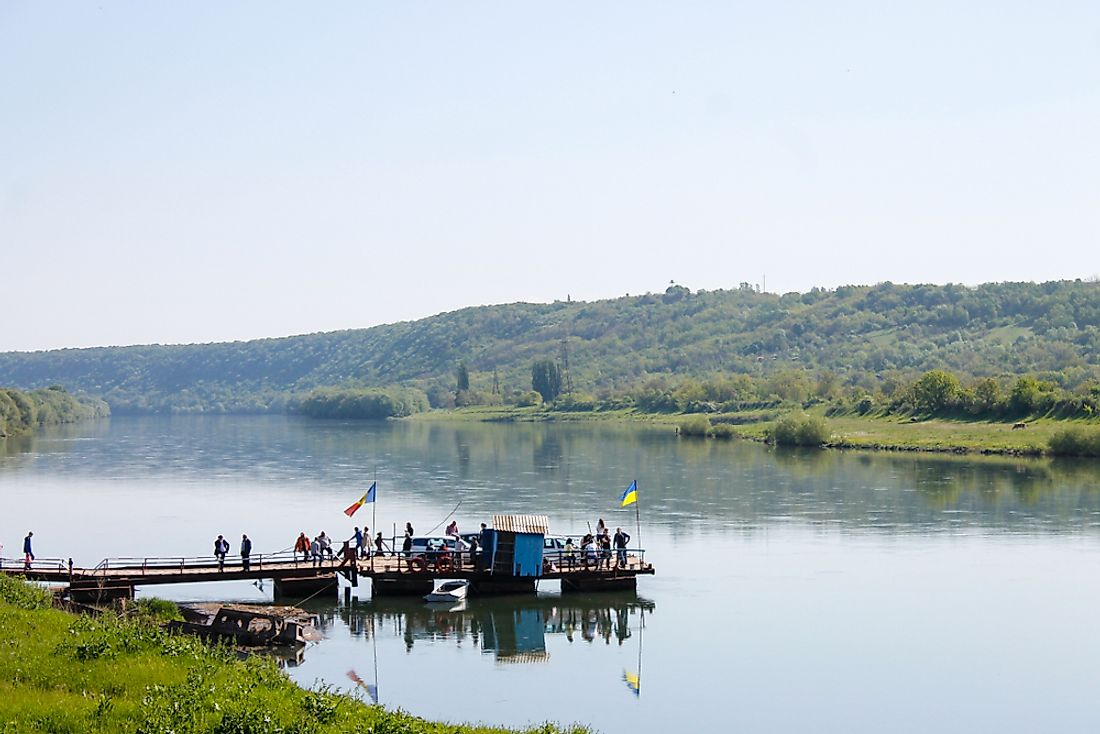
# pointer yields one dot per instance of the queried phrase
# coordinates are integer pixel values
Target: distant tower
(496, 382)
(566, 377)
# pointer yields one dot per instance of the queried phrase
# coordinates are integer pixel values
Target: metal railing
(598, 559)
(13, 565)
(183, 564)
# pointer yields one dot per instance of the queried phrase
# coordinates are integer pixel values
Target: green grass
(873, 431)
(63, 673)
(892, 432)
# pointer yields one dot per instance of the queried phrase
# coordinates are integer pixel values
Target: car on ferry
(431, 546)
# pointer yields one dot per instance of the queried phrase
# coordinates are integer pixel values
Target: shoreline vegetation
(21, 412)
(989, 368)
(123, 673)
(848, 432)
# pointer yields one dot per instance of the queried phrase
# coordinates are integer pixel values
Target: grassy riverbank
(64, 673)
(875, 432)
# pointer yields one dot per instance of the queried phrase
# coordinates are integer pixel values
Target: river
(795, 590)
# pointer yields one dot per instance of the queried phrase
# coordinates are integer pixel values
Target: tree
(546, 379)
(987, 396)
(462, 375)
(935, 391)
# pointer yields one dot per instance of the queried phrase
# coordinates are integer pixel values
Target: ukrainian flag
(630, 496)
(633, 682)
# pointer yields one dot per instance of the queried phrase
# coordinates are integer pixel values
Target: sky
(211, 171)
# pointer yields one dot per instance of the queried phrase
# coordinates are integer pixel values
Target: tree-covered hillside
(20, 411)
(861, 334)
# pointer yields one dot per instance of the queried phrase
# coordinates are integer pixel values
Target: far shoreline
(895, 434)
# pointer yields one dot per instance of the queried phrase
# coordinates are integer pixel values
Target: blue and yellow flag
(633, 682)
(630, 496)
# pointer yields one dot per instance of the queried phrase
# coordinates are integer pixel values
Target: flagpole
(373, 517)
(637, 514)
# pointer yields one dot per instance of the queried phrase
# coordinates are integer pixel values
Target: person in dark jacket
(221, 548)
(28, 554)
(621, 541)
(246, 551)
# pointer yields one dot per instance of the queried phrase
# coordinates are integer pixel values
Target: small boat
(449, 591)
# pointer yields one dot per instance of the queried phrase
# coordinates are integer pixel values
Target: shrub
(157, 609)
(799, 429)
(24, 595)
(527, 399)
(1075, 441)
(575, 402)
(696, 425)
(722, 430)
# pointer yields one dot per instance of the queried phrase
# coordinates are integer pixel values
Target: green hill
(860, 335)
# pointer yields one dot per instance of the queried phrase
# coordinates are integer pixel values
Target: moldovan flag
(630, 496)
(372, 691)
(368, 497)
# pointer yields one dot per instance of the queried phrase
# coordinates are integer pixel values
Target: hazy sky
(187, 172)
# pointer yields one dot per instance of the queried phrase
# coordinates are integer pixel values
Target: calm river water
(794, 590)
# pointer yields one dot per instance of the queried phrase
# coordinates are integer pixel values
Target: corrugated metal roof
(539, 524)
(540, 656)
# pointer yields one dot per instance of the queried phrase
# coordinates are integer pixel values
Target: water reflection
(566, 470)
(511, 629)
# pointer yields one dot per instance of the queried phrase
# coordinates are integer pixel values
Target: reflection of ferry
(511, 630)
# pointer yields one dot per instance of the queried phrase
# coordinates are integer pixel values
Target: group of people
(362, 541)
(315, 549)
(596, 548)
(221, 550)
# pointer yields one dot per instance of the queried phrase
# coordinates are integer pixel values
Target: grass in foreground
(63, 673)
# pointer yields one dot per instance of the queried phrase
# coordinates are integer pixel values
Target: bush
(1075, 441)
(24, 595)
(799, 429)
(528, 399)
(696, 425)
(153, 608)
(722, 430)
(576, 402)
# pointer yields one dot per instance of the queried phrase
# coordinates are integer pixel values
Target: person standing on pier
(28, 554)
(315, 551)
(357, 536)
(379, 545)
(246, 552)
(407, 544)
(326, 545)
(301, 545)
(221, 547)
(621, 540)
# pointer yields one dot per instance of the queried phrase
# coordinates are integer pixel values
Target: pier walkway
(390, 575)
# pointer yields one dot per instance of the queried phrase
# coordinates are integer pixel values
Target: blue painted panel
(528, 557)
